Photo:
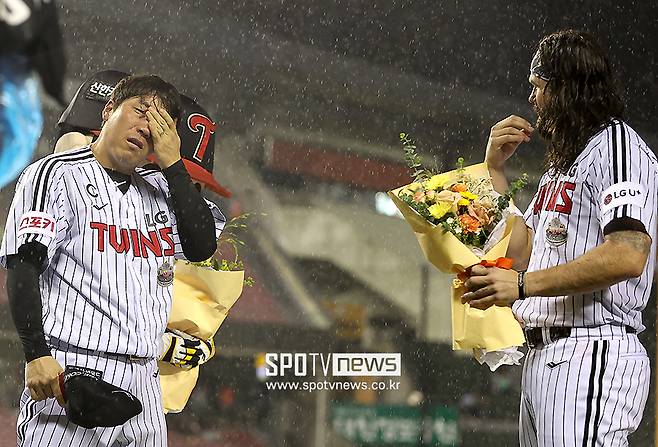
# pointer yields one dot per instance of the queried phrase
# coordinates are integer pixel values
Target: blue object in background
(21, 120)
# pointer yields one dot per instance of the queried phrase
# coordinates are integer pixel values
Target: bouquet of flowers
(466, 206)
(460, 221)
(203, 293)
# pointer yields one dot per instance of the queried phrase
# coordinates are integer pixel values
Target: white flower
(450, 220)
(458, 230)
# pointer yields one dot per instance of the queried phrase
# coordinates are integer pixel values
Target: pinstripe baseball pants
(44, 423)
(587, 390)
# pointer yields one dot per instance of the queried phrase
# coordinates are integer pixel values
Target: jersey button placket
(131, 222)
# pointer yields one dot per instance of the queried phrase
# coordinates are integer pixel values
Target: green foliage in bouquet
(229, 238)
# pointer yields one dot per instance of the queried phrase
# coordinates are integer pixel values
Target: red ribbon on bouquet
(501, 263)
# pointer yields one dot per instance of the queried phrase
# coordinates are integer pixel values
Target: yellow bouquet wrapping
(202, 298)
(494, 329)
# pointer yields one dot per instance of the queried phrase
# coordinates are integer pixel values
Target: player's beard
(540, 122)
(545, 127)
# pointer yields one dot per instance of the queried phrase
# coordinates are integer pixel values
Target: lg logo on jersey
(124, 240)
(621, 194)
(159, 218)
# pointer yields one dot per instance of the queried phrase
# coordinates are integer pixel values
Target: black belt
(535, 338)
(61, 345)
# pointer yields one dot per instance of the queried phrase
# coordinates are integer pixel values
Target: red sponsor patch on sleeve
(36, 222)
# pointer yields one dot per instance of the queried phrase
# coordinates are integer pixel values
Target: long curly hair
(581, 97)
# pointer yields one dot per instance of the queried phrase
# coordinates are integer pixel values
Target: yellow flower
(463, 202)
(436, 181)
(438, 210)
(468, 195)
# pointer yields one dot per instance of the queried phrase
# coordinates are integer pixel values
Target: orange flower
(468, 223)
(459, 187)
(479, 212)
(419, 196)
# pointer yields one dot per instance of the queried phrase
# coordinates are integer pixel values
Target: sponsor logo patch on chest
(556, 233)
(165, 274)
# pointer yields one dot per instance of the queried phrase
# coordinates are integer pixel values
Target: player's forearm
(498, 179)
(520, 245)
(25, 305)
(598, 269)
(196, 226)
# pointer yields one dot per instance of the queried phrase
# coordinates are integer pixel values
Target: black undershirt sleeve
(624, 224)
(23, 273)
(196, 225)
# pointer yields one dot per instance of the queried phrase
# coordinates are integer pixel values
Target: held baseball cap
(197, 136)
(91, 402)
(85, 109)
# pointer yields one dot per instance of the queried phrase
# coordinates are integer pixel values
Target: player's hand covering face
(163, 132)
(126, 136)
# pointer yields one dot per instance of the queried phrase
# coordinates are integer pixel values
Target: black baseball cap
(91, 402)
(197, 135)
(86, 108)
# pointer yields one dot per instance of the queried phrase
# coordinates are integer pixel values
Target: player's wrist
(175, 169)
(35, 347)
(495, 165)
(169, 162)
(520, 282)
(530, 284)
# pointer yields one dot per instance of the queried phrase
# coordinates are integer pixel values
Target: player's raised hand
(166, 141)
(504, 138)
(42, 379)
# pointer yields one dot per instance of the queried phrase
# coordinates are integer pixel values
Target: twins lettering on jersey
(555, 196)
(127, 240)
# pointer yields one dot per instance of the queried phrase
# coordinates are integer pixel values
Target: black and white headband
(537, 69)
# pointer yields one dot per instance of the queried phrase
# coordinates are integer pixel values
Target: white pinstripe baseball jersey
(614, 176)
(106, 286)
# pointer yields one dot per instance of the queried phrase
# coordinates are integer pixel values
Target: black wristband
(521, 284)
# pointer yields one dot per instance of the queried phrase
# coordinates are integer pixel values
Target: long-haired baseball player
(89, 244)
(587, 249)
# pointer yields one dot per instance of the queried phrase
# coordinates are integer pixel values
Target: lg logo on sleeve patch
(624, 193)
